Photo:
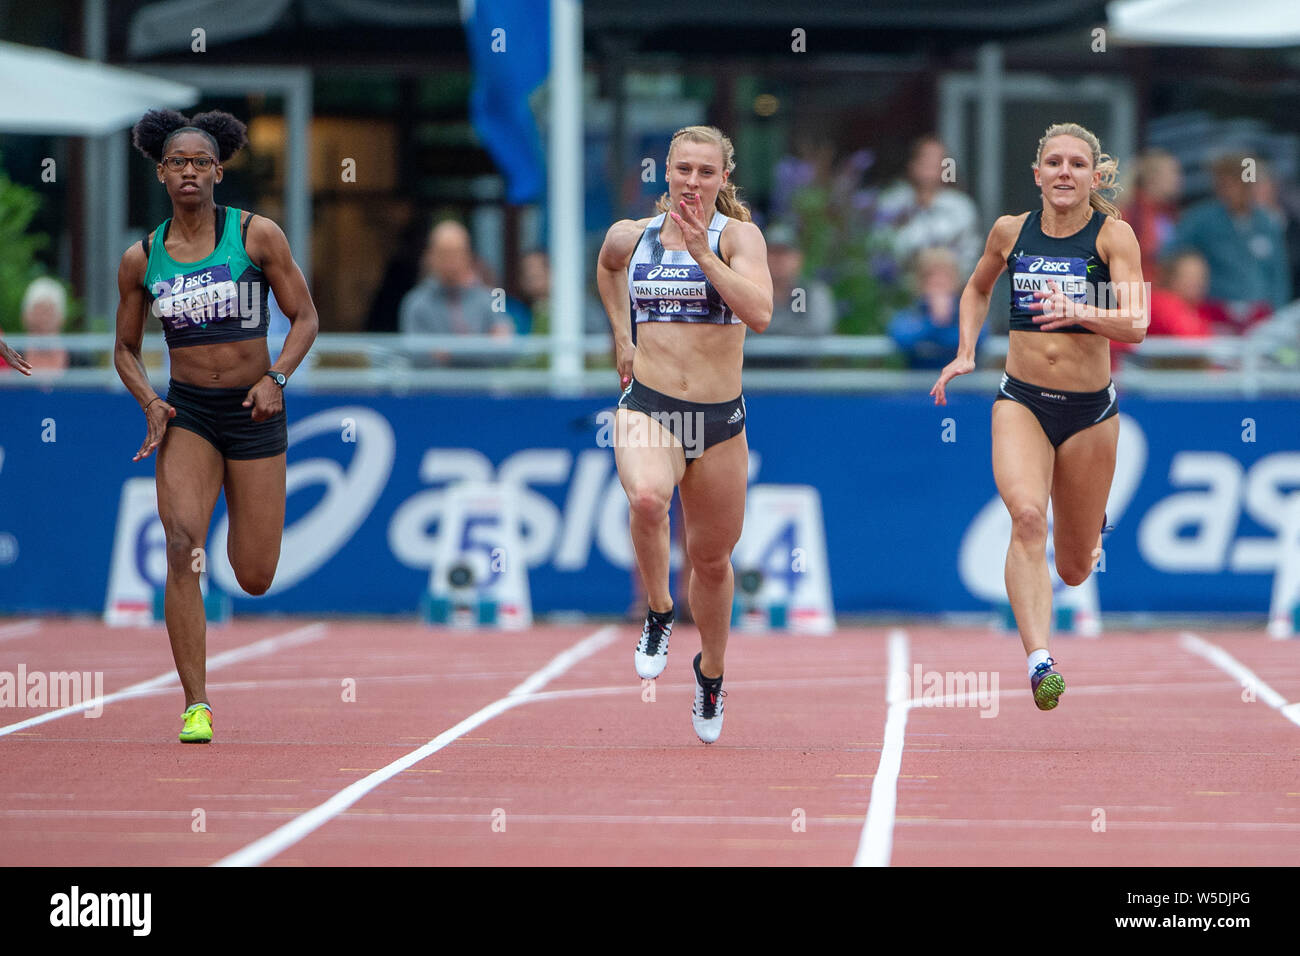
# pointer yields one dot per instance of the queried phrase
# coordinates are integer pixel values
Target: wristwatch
(278, 377)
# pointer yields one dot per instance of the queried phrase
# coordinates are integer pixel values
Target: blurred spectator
(1283, 205)
(400, 276)
(923, 211)
(535, 287)
(44, 311)
(1153, 210)
(801, 305)
(1177, 308)
(1244, 246)
(928, 332)
(1177, 302)
(451, 300)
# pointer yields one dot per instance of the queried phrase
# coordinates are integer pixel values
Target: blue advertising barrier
(912, 519)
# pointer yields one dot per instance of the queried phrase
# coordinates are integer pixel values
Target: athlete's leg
(713, 503)
(1022, 469)
(188, 479)
(1085, 464)
(650, 464)
(255, 503)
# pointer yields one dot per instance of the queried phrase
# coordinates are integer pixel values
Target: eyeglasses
(177, 163)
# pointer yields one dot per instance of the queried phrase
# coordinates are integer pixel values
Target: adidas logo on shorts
(736, 416)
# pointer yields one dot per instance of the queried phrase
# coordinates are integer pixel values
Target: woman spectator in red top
(1153, 210)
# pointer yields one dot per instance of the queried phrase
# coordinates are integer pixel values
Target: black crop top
(1071, 262)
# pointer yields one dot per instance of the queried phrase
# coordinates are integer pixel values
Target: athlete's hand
(265, 399)
(695, 231)
(14, 360)
(157, 415)
(958, 366)
(624, 362)
(1056, 309)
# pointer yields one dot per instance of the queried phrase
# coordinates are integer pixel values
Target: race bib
(1033, 273)
(670, 290)
(196, 298)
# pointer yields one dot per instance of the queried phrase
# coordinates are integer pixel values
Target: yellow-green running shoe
(198, 724)
(1047, 685)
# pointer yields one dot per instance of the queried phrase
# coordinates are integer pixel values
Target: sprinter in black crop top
(1075, 270)
(206, 274)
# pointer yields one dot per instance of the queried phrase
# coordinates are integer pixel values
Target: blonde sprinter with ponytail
(1075, 269)
(680, 288)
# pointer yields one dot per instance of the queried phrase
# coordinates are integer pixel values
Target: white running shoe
(652, 650)
(706, 715)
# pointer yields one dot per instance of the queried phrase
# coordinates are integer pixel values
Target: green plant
(18, 248)
(842, 244)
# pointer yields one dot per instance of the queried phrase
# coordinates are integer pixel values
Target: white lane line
(267, 645)
(877, 838)
(1225, 661)
(279, 840)
(368, 819)
(19, 628)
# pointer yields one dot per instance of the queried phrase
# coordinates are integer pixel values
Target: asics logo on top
(1047, 265)
(669, 272)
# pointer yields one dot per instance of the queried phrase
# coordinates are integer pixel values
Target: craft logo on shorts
(131, 910)
(55, 689)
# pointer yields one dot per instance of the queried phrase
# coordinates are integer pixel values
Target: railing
(1243, 366)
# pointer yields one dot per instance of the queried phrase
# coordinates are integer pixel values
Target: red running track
(1153, 757)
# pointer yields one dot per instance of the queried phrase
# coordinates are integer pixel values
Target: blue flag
(510, 50)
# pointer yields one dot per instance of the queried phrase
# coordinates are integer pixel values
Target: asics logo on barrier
(669, 272)
(1048, 265)
(350, 491)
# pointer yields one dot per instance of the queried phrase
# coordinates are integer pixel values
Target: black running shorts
(697, 425)
(218, 415)
(1061, 414)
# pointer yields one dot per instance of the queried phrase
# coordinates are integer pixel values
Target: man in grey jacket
(451, 300)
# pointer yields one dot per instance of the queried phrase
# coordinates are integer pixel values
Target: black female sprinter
(205, 273)
(1054, 425)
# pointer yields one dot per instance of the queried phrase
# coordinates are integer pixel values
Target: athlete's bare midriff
(222, 364)
(1069, 361)
(694, 362)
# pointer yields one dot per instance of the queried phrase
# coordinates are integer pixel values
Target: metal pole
(102, 219)
(990, 130)
(297, 184)
(564, 195)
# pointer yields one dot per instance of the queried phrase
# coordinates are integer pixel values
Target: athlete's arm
(269, 250)
(611, 280)
(974, 306)
(743, 280)
(1118, 246)
(14, 359)
(126, 348)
